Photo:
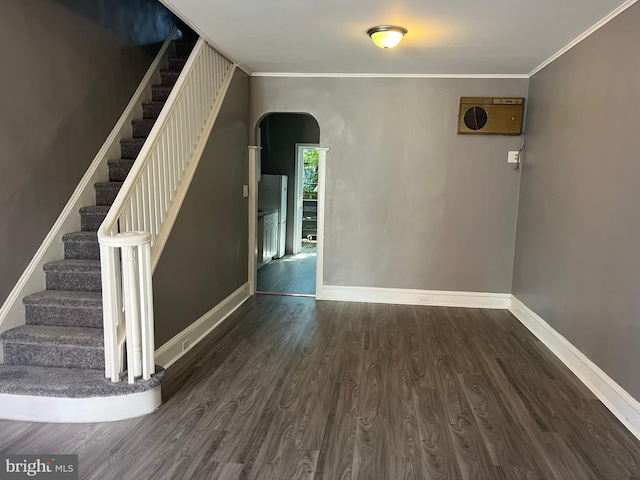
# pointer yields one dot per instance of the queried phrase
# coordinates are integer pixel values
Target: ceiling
(454, 37)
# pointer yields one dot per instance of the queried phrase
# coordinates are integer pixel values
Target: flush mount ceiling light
(386, 36)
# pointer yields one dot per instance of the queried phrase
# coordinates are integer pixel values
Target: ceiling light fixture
(387, 36)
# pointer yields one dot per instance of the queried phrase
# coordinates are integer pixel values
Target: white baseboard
(172, 351)
(612, 395)
(31, 408)
(414, 297)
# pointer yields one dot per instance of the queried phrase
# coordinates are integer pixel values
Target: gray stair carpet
(69, 382)
(59, 352)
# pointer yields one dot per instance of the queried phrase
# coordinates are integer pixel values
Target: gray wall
(410, 204)
(205, 258)
(65, 82)
(577, 262)
(280, 133)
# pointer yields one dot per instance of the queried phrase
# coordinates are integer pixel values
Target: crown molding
(597, 26)
(387, 75)
(169, 4)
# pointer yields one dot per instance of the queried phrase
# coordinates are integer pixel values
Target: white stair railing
(138, 224)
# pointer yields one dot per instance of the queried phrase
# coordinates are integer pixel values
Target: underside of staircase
(56, 360)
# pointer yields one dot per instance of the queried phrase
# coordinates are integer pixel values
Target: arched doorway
(287, 194)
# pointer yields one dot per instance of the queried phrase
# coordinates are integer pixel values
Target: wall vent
(490, 116)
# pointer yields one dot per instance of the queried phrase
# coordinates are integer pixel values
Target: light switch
(245, 191)
(514, 156)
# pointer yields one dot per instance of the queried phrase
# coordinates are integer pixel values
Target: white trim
(322, 175)
(597, 26)
(32, 408)
(52, 248)
(612, 395)
(253, 217)
(387, 75)
(415, 297)
(171, 352)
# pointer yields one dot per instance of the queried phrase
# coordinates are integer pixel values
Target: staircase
(59, 352)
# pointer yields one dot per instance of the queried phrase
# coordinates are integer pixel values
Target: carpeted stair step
(151, 109)
(46, 346)
(69, 382)
(160, 93)
(169, 77)
(176, 63)
(130, 147)
(183, 47)
(91, 217)
(64, 309)
(81, 246)
(76, 275)
(119, 169)
(142, 127)
(106, 192)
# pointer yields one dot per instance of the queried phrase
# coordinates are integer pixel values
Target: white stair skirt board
(614, 397)
(173, 350)
(79, 410)
(415, 297)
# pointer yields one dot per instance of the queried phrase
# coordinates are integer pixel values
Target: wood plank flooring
(290, 274)
(288, 388)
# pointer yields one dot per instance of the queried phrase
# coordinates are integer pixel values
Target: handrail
(137, 226)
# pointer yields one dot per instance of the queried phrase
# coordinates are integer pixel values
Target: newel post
(128, 304)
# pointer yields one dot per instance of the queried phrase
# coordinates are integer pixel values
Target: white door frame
(254, 162)
(297, 192)
(322, 169)
(254, 173)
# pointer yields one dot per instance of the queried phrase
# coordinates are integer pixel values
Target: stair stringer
(32, 280)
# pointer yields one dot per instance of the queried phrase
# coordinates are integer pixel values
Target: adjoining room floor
(291, 273)
(289, 388)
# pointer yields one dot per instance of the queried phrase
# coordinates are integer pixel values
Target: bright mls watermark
(51, 467)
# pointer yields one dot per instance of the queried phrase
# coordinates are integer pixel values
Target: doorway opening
(287, 194)
(306, 197)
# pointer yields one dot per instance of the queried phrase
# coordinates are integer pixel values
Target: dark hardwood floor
(290, 274)
(288, 388)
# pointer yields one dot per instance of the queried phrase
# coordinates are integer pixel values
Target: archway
(285, 263)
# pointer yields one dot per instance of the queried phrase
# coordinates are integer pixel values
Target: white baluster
(128, 234)
(191, 123)
(146, 310)
(202, 106)
(183, 132)
(137, 198)
(144, 199)
(175, 158)
(164, 185)
(154, 201)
